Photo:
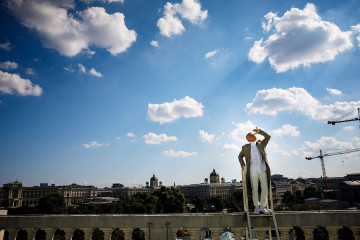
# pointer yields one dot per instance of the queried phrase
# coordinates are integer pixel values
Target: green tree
(311, 192)
(218, 202)
(288, 198)
(52, 203)
(170, 200)
(200, 204)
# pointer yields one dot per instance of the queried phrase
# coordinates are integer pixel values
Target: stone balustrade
(165, 226)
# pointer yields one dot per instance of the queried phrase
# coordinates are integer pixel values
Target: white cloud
(211, 54)
(69, 69)
(95, 73)
(333, 91)
(152, 138)
(300, 38)
(95, 144)
(14, 84)
(89, 53)
(70, 33)
(205, 137)
(356, 30)
(170, 24)
(231, 147)
(241, 130)
(6, 46)
(356, 140)
(172, 153)
(30, 71)
(104, 1)
(349, 128)
(8, 65)
(154, 43)
(310, 148)
(83, 69)
(170, 111)
(286, 130)
(130, 134)
(271, 101)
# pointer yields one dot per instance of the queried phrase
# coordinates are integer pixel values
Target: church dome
(214, 173)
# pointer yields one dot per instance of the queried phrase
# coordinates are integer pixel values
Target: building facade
(214, 188)
(14, 194)
(130, 191)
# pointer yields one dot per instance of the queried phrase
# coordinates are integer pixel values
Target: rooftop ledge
(185, 220)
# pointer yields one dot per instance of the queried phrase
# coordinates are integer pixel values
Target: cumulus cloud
(170, 24)
(170, 111)
(130, 134)
(154, 43)
(310, 148)
(104, 1)
(241, 130)
(14, 84)
(95, 73)
(70, 33)
(349, 128)
(211, 54)
(92, 71)
(8, 65)
(300, 37)
(271, 101)
(152, 138)
(205, 137)
(356, 30)
(95, 144)
(333, 91)
(6, 46)
(231, 147)
(286, 130)
(356, 140)
(30, 71)
(172, 153)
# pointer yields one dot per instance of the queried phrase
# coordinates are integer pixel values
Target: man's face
(251, 137)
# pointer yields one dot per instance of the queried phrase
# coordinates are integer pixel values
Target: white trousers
(254, 179)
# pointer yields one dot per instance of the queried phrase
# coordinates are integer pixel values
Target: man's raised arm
(266, 135)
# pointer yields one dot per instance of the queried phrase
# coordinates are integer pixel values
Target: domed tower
(154, 182)
(214, 177)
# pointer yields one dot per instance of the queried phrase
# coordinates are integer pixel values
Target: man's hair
(249, 134)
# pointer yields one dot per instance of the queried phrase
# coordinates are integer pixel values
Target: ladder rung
(260, 215)
(263, 228)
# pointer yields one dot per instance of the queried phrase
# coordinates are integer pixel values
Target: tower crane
(321, 156)
(346, 120)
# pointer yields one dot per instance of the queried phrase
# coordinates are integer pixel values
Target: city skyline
(99, 92)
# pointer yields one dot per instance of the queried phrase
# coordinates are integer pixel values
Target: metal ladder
(272, 218)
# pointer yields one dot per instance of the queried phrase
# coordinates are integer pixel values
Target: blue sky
(97, 92)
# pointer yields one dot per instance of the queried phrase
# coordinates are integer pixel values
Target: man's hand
(243, 167)
(256, 130)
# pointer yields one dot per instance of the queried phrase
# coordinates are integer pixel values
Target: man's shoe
(256, 210)
(264, 210)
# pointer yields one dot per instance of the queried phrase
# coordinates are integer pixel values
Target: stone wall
(165, 226)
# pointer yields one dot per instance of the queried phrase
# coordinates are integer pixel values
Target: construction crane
(321, 156)
(347, 120)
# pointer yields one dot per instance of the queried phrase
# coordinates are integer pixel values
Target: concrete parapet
(165, 226)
